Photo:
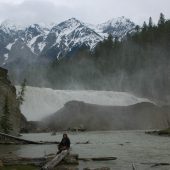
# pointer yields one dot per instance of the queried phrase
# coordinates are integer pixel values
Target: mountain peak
(116, 21)
(8, 25)
(119, 20)
(73, 19)
(117, 27)
(55, 40)
(71, 22)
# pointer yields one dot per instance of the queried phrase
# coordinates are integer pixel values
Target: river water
(130, 147)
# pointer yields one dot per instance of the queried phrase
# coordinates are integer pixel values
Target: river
(130, 147)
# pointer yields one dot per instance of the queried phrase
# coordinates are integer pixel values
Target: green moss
(19, 167)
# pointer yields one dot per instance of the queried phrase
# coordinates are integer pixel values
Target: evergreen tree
(161, 20)
(108, 43)
(144, 28)
(6, 126)
(21, 94)
(150, 22)
(137, 28)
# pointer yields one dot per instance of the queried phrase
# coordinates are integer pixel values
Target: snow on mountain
(33, 36)
(5, 58)
(40, 102)
(47, 26)
(10, 25)
(70, 34)
(117, 27)
(53, 40)
(9, 46)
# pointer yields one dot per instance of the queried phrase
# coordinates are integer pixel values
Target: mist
(138, 64)
(42, 102)
(82, 73)
(140, 116)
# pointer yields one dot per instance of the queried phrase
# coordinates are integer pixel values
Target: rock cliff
(7, 90)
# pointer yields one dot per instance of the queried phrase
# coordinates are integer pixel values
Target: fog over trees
(139, 63)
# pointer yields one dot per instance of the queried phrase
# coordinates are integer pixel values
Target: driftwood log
(6, 139)
(154, 164)
(13, 140)
(55, 161)
(160, 164)
(98, 159)
(87, 142)
(9, 139)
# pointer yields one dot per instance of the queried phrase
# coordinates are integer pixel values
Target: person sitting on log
(64, 144)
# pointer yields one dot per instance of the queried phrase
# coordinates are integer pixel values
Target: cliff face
(9, 91)
(96, 117)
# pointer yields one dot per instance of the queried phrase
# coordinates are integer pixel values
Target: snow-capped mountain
(117, 27)
(67, 35)
(54, 40)
(10, 25)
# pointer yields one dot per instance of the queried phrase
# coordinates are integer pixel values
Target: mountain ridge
(140, 116)
(54, 40)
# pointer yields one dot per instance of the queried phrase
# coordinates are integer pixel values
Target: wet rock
(121, 144)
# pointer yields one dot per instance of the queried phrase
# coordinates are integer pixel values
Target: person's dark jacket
(65, 142)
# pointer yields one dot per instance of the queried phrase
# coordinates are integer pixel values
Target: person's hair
(65, 134)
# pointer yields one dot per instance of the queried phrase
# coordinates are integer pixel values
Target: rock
(1, 164)
(9, 91)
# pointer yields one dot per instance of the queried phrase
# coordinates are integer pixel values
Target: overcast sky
(91, 11)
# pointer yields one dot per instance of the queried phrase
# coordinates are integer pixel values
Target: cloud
(34, 11)
(92, 11)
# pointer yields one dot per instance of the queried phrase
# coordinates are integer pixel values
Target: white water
(40, 102)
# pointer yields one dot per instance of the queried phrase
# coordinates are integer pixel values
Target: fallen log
(55, 161)
(155, 163)
(87, 142)
(160, 164)
(14, 138)
(98, 159)
(23, 142)
(7, 139)
(70, 159)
